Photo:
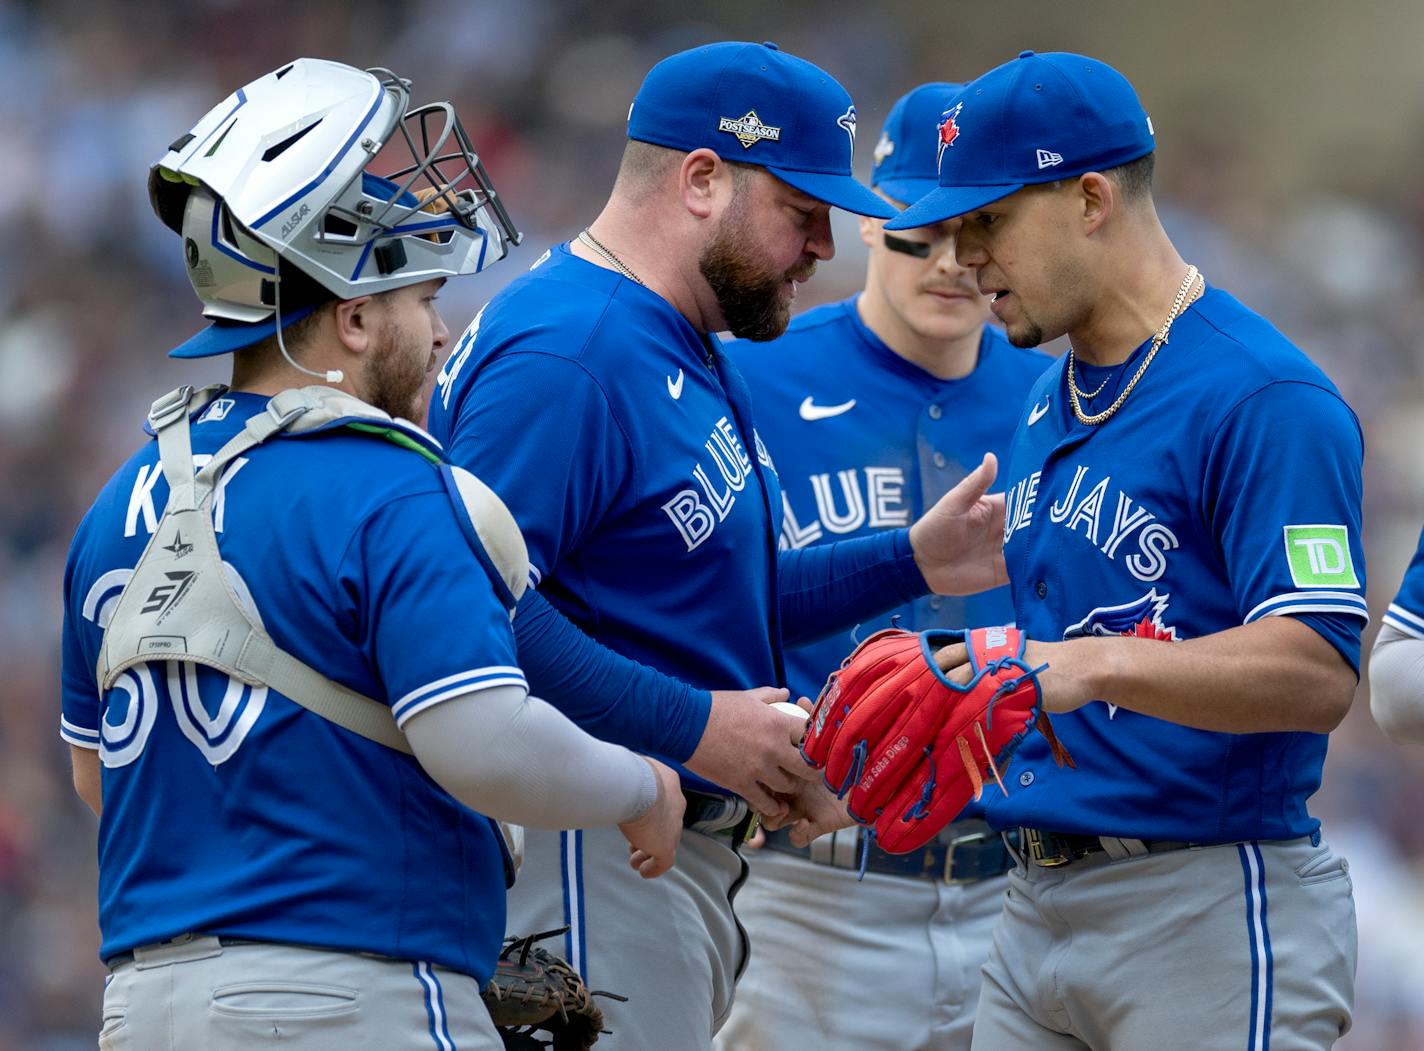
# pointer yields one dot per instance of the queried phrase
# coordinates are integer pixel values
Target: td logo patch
(1319, 556)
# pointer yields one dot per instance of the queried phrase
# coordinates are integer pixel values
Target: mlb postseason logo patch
(883, 149)
(1319, 556)
(749, 129)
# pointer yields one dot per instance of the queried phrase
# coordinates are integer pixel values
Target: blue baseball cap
(224, 337)
(1032, 120)
(755, 104)
(907, 151)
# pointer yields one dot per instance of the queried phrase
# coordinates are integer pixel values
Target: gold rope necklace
(1077, 396)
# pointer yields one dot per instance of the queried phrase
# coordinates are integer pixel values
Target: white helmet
(280, 170)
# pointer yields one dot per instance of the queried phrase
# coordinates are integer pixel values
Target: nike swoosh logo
(675, 385)
(812, 411)
(1036, 413)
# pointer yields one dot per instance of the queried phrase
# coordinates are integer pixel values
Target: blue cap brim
(839, 191)
(907, 190)
(946, 202)
(224, 337)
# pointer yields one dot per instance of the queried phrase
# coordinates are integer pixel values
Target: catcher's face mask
(288, 167)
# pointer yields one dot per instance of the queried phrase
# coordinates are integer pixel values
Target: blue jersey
(865, 440)
(1406, 612)
(1226, 489)
(229, 809)
(621, 439)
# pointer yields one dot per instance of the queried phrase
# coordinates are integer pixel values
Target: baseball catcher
(905, 745)
(533, 991)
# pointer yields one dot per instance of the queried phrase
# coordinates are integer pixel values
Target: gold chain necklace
(1076, 396)
(596, 245)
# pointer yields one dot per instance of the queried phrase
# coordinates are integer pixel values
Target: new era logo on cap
(1047, 159)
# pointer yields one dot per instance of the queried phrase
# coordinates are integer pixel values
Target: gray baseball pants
(201, 994)
(1241, 947)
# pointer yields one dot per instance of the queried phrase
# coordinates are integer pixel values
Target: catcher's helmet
(280, 171)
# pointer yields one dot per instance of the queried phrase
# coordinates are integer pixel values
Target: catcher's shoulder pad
(493, 534)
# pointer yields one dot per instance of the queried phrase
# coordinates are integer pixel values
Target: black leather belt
(715, 815)
(966, 852)
(1051, 849)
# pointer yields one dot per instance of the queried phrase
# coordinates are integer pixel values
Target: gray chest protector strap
(180, 605)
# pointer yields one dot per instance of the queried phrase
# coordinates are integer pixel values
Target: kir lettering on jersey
(847, 501)
(716, 480)
(141, 505)
(1119, 526)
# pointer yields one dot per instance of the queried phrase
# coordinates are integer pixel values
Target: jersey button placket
(1041, 589)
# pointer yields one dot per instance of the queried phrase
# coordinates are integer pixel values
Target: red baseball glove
(907, 747)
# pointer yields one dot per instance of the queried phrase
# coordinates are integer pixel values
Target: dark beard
(395, 378)
(751, 299)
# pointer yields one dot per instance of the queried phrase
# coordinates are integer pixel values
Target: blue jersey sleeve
(79, 688)
(1406, 612)
(430, 621)
(829, 588)
(556, 470)
(611, 696)
(1283, 495)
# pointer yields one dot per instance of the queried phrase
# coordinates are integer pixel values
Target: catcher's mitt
(909, 746)
(533, 991)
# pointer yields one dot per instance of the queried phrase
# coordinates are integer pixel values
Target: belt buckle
(1035, 846)
(753, 822)
(971, 839)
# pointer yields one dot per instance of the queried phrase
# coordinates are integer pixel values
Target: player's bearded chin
(395, 374)
(752, 299)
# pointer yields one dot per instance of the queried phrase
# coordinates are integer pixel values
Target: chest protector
(180, 604)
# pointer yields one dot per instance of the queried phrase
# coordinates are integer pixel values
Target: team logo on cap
(749, 129)
(883, 149)
(948, 131)
(847, 121)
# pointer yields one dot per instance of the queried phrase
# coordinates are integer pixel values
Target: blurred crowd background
(1288, 170)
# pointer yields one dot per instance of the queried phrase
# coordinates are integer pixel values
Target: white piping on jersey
(78, 735)
(431, 693)
(1310, 602)
(1409, 623)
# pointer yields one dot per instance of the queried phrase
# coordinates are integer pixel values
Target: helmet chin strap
(331, 375)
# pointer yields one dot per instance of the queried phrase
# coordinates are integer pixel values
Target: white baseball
(792, 709)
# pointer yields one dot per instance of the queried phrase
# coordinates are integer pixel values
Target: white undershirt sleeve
(1397, 685)
(516, 758)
